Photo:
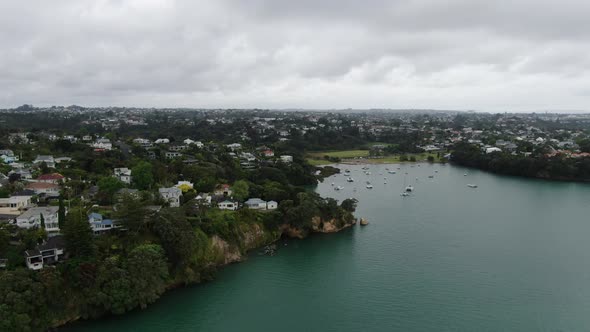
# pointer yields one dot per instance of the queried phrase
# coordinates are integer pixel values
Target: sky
(501, 55)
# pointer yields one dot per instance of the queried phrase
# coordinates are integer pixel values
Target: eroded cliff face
(256, 236)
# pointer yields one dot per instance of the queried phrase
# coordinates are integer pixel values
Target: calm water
(513, 254)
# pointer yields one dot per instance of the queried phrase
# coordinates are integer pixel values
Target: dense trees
(78, 235)
(538, 165)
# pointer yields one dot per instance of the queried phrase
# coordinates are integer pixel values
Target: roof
(95, 215)
(254, 201)
(227, 202)
(41, 185)
(41, 158)
(52, 176)
(173, 190)
(36, 211)
(52, 243)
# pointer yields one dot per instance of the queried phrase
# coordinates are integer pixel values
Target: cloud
(460, 54)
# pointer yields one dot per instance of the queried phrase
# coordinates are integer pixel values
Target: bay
(512, 254)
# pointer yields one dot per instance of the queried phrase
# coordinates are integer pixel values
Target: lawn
(346, 154)
(362, 156)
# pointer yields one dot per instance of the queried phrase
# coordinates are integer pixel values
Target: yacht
(409, 189)
(369, 186)
(431, 176)
(338, 188)
(391, 172)
(350, 180)
(472, 185)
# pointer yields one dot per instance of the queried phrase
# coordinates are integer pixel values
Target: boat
(368, 173)
(332, 183)
(369, 186)
(409, 189)
(465, 174)
(431, 176)
(391, 172)
(404, 194)
(364, 222)
(350, 180)
(472, 185)
(338, 188)
(436, 171)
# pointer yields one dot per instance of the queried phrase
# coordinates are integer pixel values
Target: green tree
(23, 306)
(143, 177)
(61, 213)
(131, 213)
(240, 190)
(42, 219)
(176, 234)
(148, 273)
(349, 204)
(78, 234)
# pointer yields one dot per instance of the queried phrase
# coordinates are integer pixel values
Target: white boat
(369, 186)
(472, 185)
(465, 174)
(409, 189)
(332, 183)
(391, 172)
(338, 188)
(350, 180)
(404, 194)
(368, 173)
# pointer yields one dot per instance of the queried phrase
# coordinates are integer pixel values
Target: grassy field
(362, 157)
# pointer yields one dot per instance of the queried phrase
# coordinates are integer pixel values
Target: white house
(234, 146)
(100, 224)
(494, 149)
(48, 160)
(102, 144)
(123, 174)
(255, 204)
(162, 141)
(272, 205)
(50, 252)
(49, 189)
(32, 218)
(287, 159)
(189, 141)
(173, 154)
(171, 195)
(227, 205)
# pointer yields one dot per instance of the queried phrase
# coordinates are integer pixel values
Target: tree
(143, 177)
(240, 190)
(44, 168)
(349, 204)
(176, 234)
(61, 213)
(430, 159)
(42, 219)
(108, 186)
(78, 235)
(131, 213)
(148, 273)
(23, 306)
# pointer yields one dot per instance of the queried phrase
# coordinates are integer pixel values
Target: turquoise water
(513, 254)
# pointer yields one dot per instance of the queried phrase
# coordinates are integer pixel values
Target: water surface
(513, 254)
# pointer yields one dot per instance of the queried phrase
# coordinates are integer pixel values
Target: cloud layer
(521, 55)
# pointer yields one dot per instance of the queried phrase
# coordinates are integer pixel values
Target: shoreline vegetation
(321, 158)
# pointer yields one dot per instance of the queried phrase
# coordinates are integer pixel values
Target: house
(189, 141)
(177, 148)
(268, 153)
(8, 156)
(203, 198)
(11, 207)
(491, 150)
(102, 144)
(171, 195)
(173, 154)
(234, 146)
(286, 159)
(162, 141)
(48, 160)
(227, 205)
(123, 174)
(272, 205)
(48, 189)
(50, 252)
(223, 190)
(255, 204)
(50, 178)
(32, 218)
(62, 160)
(100, 224)
(87, 138)
(144, 143)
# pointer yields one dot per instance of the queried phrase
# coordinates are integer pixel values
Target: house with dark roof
(50, 178)
(99, 224)
(48, 253)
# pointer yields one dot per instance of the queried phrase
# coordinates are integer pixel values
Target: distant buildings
(35, 217)
(171, 195)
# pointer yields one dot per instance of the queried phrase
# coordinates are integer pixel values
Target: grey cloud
(460, 54)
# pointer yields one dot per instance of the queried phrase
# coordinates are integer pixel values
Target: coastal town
(188, 190)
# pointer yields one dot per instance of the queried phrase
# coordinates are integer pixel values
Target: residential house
(286, 159)
(13, 206)
(50, 178)
(44, 188)
(255, 204)
(223, 190)
(48, 253)
(162, 141)
(100, 224)
(48, 160)
(493, 149)
(268, 153)
(102, 144)
(171, 195)
(189, 141)
(123, 174)
(173, 154)
(184, 185)
(63, 160)
(234, 146)
(203, 198)
(227, 205)
(32, 218)
(272, 205)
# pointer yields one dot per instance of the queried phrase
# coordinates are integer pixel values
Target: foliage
(78, 235)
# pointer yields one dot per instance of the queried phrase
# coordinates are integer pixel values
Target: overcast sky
(501, 55)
